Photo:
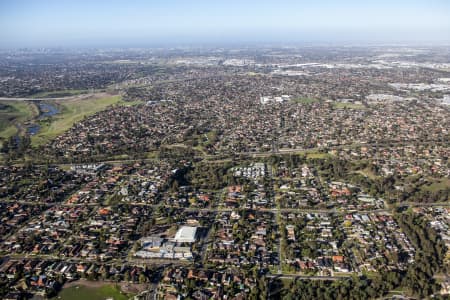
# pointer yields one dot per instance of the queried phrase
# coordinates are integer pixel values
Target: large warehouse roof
(186, 234)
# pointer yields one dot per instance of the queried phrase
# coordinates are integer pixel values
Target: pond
(47, 110)
(33, 129)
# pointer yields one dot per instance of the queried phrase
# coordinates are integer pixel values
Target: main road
(73, 97)
(306, 277)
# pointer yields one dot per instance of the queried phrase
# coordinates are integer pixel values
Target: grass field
(319, 155)
(71, 112)
(91, 293)
(348, 105)
(12, 112)
(437, 185)
(305, 100)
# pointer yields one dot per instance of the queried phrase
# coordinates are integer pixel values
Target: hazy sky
(36, 23)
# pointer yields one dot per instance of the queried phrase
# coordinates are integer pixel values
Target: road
(74, 97)
(213, 158)
(124, 261)
(223, 209)
(293, 276)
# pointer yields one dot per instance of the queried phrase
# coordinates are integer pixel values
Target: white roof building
(186, 234)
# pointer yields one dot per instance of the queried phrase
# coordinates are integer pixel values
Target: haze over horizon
(114, 23)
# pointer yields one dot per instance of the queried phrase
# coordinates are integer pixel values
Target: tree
(142, 278)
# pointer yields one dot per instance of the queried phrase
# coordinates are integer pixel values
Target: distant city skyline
(82, 23)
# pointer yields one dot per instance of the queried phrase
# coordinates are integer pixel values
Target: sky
(140, 23)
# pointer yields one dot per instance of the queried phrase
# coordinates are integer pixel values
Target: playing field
(91, 293)
(305, 100)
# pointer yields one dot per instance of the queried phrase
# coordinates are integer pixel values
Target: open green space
(71, 112)
(13, 112)
(131, 103)
(318, 155)
(305, 100)
(437, 185)
(91, 293)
